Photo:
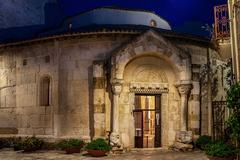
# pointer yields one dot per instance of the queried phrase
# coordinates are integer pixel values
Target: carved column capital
(184, 89)
(117, 86)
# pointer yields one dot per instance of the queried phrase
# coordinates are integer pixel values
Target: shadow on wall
(91, 107)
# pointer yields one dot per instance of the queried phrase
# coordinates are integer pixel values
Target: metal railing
(219, 116)
(221, 22)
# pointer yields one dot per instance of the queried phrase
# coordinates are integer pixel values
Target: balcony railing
(221, 25)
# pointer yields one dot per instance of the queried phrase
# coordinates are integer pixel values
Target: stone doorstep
(149, 149)
(136, 150)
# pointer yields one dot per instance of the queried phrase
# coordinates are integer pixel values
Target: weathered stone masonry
(93, 81)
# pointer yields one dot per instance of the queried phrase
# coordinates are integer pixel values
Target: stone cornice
(151, 88)
(103, 31)
(67, 36)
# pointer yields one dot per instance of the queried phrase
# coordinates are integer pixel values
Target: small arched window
(45, 91)
(153, 23)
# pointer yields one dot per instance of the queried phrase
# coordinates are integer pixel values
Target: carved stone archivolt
(140, 46)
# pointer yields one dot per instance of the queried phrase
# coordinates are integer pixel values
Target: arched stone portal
(150, 65)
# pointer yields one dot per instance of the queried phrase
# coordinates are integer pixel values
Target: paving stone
(133, 155)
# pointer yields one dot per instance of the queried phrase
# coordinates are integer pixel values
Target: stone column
(116, 89)
(184, 90)
(183, 137)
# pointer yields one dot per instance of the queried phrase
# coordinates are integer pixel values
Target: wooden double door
(147, 120)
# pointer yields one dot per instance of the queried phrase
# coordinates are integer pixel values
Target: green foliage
(18, 144)
(233, 103)
(49, 146)
(8, 142)
(70, 143)
(202, 141)
(233, 97)
(5, 143)
(27, 144)
(98, 144)
(32, 144)
(220, 149)
(234, 123)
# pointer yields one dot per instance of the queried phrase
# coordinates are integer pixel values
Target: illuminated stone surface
(92, 74)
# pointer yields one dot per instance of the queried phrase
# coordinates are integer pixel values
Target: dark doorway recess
(147, 120)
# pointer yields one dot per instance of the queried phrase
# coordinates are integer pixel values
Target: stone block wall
(80, 100)
(8, 119)
(31, 66)
(81, 85)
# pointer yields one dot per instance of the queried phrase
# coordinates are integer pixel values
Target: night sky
(177, 12)
(184, 16)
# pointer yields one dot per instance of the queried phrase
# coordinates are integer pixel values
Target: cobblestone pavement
(134, 155)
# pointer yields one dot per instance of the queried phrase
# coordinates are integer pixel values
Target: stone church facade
(118, 84)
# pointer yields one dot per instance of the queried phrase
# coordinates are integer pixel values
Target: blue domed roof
(117, 16)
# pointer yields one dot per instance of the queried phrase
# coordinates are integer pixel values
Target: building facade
(233, 7)
(137, 85)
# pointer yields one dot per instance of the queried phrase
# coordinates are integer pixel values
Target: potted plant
(98, 147)
(71, 145)
(220, 151)
(31, 144)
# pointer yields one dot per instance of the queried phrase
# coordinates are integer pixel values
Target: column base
(115, 141)
(185, 137)
(183, 141)
(177, 146)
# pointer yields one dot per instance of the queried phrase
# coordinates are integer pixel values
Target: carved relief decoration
(149, 79)
(149, 73)
(153, 43)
